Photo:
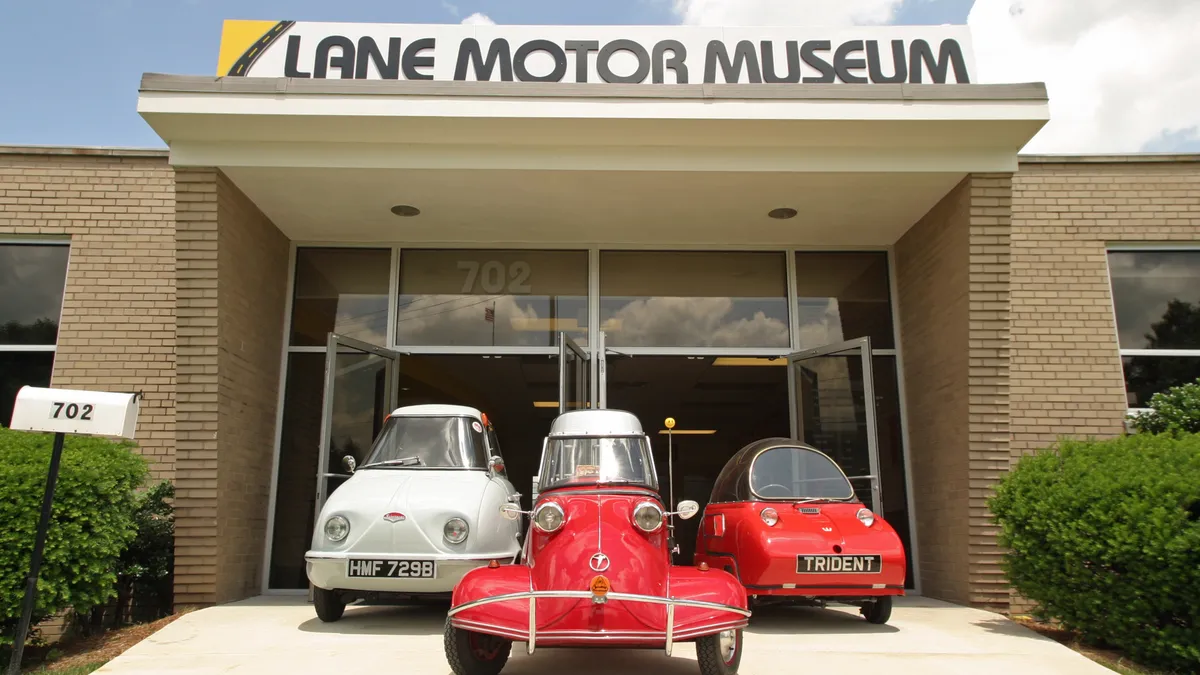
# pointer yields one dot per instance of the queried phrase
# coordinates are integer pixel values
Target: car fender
(506, 618)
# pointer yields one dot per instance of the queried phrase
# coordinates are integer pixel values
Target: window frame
(18, 349)
(1123, 353)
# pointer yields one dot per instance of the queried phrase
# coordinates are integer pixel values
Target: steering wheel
(781, 487)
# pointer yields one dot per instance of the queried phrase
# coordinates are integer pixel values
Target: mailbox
(73, 411)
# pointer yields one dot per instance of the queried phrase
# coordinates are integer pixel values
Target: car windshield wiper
(406, 461)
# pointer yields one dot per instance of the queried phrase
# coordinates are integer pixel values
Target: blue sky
(81, 59)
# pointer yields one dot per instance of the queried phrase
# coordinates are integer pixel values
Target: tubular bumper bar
(533, 596)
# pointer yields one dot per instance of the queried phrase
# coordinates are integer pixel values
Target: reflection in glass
(843, 296)
(420, 443)
(1146, 376)
(595, 460)
(798, 473)
(693, 299)
(343, 291)
(32, 278)
(1157, 298)
(20, 369)
(489, 298)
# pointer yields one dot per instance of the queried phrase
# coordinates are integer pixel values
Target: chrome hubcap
(727, 641)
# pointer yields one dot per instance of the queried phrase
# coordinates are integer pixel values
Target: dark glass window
(1156, 296)
(20, 369)
(694, 299)
(843, 296)
(343, 291)
(32, 278)
(490, 298)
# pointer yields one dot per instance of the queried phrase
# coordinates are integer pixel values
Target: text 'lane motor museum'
(758, 232)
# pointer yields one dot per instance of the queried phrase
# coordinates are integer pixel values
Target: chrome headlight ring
(337, 528)
(648, 517)
(549, 517)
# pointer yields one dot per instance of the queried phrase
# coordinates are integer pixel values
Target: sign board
(597, 54)
(73, 411)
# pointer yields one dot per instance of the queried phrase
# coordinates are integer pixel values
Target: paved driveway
(272, 635)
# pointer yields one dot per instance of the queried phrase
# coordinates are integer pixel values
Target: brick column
(952, 282)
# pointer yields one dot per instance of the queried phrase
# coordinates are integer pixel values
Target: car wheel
(471, 653)
(878, 612)
(720, 654)
(329, 604)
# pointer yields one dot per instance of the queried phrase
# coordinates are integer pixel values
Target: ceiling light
(749, 361)
(406, 211)
(545, 404)
(783, 214)
(688, 432)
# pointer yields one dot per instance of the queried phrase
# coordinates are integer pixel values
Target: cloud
(479, 19)
(695, 322)
(785, 12)
(1121, 75)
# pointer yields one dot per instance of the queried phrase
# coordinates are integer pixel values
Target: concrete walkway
(269, 635)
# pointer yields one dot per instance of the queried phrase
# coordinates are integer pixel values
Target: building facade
(936, 306)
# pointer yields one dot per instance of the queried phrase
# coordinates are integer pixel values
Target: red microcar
(784, 519)
(596, 568)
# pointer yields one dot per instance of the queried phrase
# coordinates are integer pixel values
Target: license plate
(393, 569)
(839, 564)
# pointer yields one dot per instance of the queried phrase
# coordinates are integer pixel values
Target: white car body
(426, 498)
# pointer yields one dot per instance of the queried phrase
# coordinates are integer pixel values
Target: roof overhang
(900, 146)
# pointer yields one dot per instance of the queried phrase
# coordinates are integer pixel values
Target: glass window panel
(843, 296)
(492, 298)
(295, 500)
(1146, 376)
(343, 291)
(32, 278)
(19, 369)
(1157, 298)
(693, 299)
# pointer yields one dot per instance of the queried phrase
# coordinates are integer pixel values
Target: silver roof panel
(596, 423)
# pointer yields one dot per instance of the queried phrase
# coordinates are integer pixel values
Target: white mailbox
(74, 411)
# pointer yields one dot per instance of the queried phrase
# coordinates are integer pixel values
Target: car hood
(426, 498)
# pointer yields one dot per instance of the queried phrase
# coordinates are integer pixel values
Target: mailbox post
(62, 412)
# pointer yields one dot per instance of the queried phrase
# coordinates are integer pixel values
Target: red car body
(598, 579)
(817, 549)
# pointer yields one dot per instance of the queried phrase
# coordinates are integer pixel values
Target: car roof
(437, 410)
(596, 423)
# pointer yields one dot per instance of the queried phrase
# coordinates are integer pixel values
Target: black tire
(471, 653)
(330, 605)
(713, 659)
(878, 612)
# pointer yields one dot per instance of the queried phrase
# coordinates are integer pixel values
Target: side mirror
(350, 463)
(688, 509)
(497, 464)
(511, 511)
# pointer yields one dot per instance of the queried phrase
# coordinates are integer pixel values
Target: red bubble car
(596, 568)
(784, 519)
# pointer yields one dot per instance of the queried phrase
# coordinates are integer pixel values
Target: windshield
(594, 460)
(797, 473)
(429, 443)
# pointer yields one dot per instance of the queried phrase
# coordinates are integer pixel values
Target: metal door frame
(584, 367)
(863, 346)
(392, 389)
(600, 373)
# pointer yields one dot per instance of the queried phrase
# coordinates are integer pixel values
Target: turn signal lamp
(769, 516)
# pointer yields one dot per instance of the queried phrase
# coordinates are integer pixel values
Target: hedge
(1105, 537)
(91, 524)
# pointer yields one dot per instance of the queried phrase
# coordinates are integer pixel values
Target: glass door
(833, 409)
(361, 385)
(574, 376)
(600, 374)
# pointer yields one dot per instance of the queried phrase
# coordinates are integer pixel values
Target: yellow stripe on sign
(236, 37)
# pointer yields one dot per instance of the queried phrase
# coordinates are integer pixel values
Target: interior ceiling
(598, 207)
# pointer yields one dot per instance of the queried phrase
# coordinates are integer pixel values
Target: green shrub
(92, 521)
(1176, 410)
(144, 572)
(1105, 537)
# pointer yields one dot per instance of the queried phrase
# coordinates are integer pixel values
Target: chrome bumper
(533, 596)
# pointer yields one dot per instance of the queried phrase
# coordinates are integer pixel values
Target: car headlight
(769, 516)
(456, 530)
(337, 528)
(866, 517)
(549, 517)
(648, 517)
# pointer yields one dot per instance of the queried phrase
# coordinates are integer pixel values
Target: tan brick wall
(953, 288)
(253, 267)
(232, 280)
(932, 287)
(117, 330)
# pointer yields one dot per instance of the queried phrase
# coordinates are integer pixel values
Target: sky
(1121, 75)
